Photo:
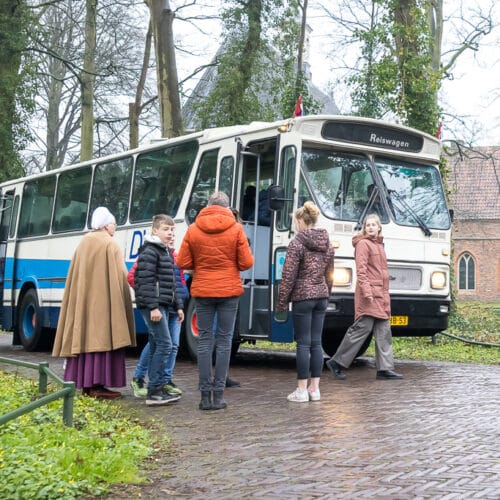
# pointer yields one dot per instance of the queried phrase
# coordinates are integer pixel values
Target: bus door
(288, 178)
(6, 210)
(257, 167)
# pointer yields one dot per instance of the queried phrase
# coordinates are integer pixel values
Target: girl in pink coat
(372, 305)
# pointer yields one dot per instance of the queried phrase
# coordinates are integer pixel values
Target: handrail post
(42, 377)
(68, 404)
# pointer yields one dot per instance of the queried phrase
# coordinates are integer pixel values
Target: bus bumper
(426, 315)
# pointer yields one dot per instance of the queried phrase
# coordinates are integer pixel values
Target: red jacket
(216, 249)
(372, 278)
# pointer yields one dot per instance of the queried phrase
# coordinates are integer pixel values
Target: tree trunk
(12, 29)
(136, 106)
(87, 80)
(436, 31)
(168, 85)
(300, 51)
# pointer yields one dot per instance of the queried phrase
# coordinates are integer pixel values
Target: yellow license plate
(399, 320)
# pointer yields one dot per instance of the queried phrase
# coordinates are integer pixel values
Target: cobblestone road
(435, 434)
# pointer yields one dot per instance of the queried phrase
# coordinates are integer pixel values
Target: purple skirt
(97, 368)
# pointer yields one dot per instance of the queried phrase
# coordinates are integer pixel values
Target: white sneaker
(314, 395)
(299, 396)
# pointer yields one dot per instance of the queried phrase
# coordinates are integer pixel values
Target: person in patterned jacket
(306, 281)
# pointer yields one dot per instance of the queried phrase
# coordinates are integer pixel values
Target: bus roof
(218, 133)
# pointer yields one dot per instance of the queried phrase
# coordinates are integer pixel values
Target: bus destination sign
(372, 135)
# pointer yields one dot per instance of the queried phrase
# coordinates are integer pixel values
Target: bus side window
(204, 184)
(71, 200)
(112, 188)
(160, 180)
(36, 206)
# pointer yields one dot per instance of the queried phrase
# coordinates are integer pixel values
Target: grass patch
(42, 458)
(472, 321)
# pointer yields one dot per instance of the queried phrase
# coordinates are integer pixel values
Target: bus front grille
(404, 278)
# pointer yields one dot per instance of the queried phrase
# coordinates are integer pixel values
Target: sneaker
(299, 396)
(171, 388)
(139, 388)
(161, 398)
(314, 395)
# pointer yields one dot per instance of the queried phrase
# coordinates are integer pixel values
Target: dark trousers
(308, 319)
(206, 309)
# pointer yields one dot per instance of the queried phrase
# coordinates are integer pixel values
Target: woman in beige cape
(96, 320)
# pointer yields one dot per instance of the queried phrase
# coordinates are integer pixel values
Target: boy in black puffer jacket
(155, 291)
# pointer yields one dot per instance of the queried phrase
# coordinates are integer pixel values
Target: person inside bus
(264, 211)
(96, 322)
(216, 249)
(248, 209)
(372, 305)
(306, 281)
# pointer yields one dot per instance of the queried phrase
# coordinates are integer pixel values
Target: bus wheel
(29, 327)
(191, 333)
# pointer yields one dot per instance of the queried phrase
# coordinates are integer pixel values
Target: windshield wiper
(368, 206)
(423, 226)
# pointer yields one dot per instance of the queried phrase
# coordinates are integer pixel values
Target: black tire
(332, 340)
(30, 330)
(191, 333)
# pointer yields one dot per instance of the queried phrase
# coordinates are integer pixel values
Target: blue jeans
(226, 309)
(308, 318)
(142, 365)
(160, 347)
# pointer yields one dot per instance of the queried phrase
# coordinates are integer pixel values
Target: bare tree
(135, 107)
(162, 18)
(87, 79)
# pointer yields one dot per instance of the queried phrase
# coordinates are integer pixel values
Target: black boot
(206, 400)
(230, 382)
(219, 403)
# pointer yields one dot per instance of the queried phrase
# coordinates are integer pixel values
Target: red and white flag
(439, 129)
(299, 109)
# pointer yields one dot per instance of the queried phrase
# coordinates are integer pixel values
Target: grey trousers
(356, 335)
(226, 309)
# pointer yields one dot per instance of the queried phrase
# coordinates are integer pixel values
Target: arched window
(466, 272)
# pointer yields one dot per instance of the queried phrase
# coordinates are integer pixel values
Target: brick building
(474, 182)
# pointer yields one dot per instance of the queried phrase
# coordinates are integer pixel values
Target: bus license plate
(399, 320)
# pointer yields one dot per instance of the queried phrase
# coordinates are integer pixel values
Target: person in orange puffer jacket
(216, 249)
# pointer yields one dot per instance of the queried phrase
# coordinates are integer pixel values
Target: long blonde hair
(376, 218)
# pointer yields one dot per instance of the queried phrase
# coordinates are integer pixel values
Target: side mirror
(277, 197)
(452, 214)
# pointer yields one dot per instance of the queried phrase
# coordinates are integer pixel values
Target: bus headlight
(438, 280)
(342, 276)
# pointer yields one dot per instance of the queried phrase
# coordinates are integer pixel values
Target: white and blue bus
(349, 166)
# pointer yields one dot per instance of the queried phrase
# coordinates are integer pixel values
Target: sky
(472, 95)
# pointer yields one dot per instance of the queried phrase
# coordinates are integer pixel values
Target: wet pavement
(435, 434)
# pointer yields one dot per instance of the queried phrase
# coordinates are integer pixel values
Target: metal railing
(44, 372)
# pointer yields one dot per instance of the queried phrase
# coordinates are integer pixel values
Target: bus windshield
(415, 193)
(341, 184)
